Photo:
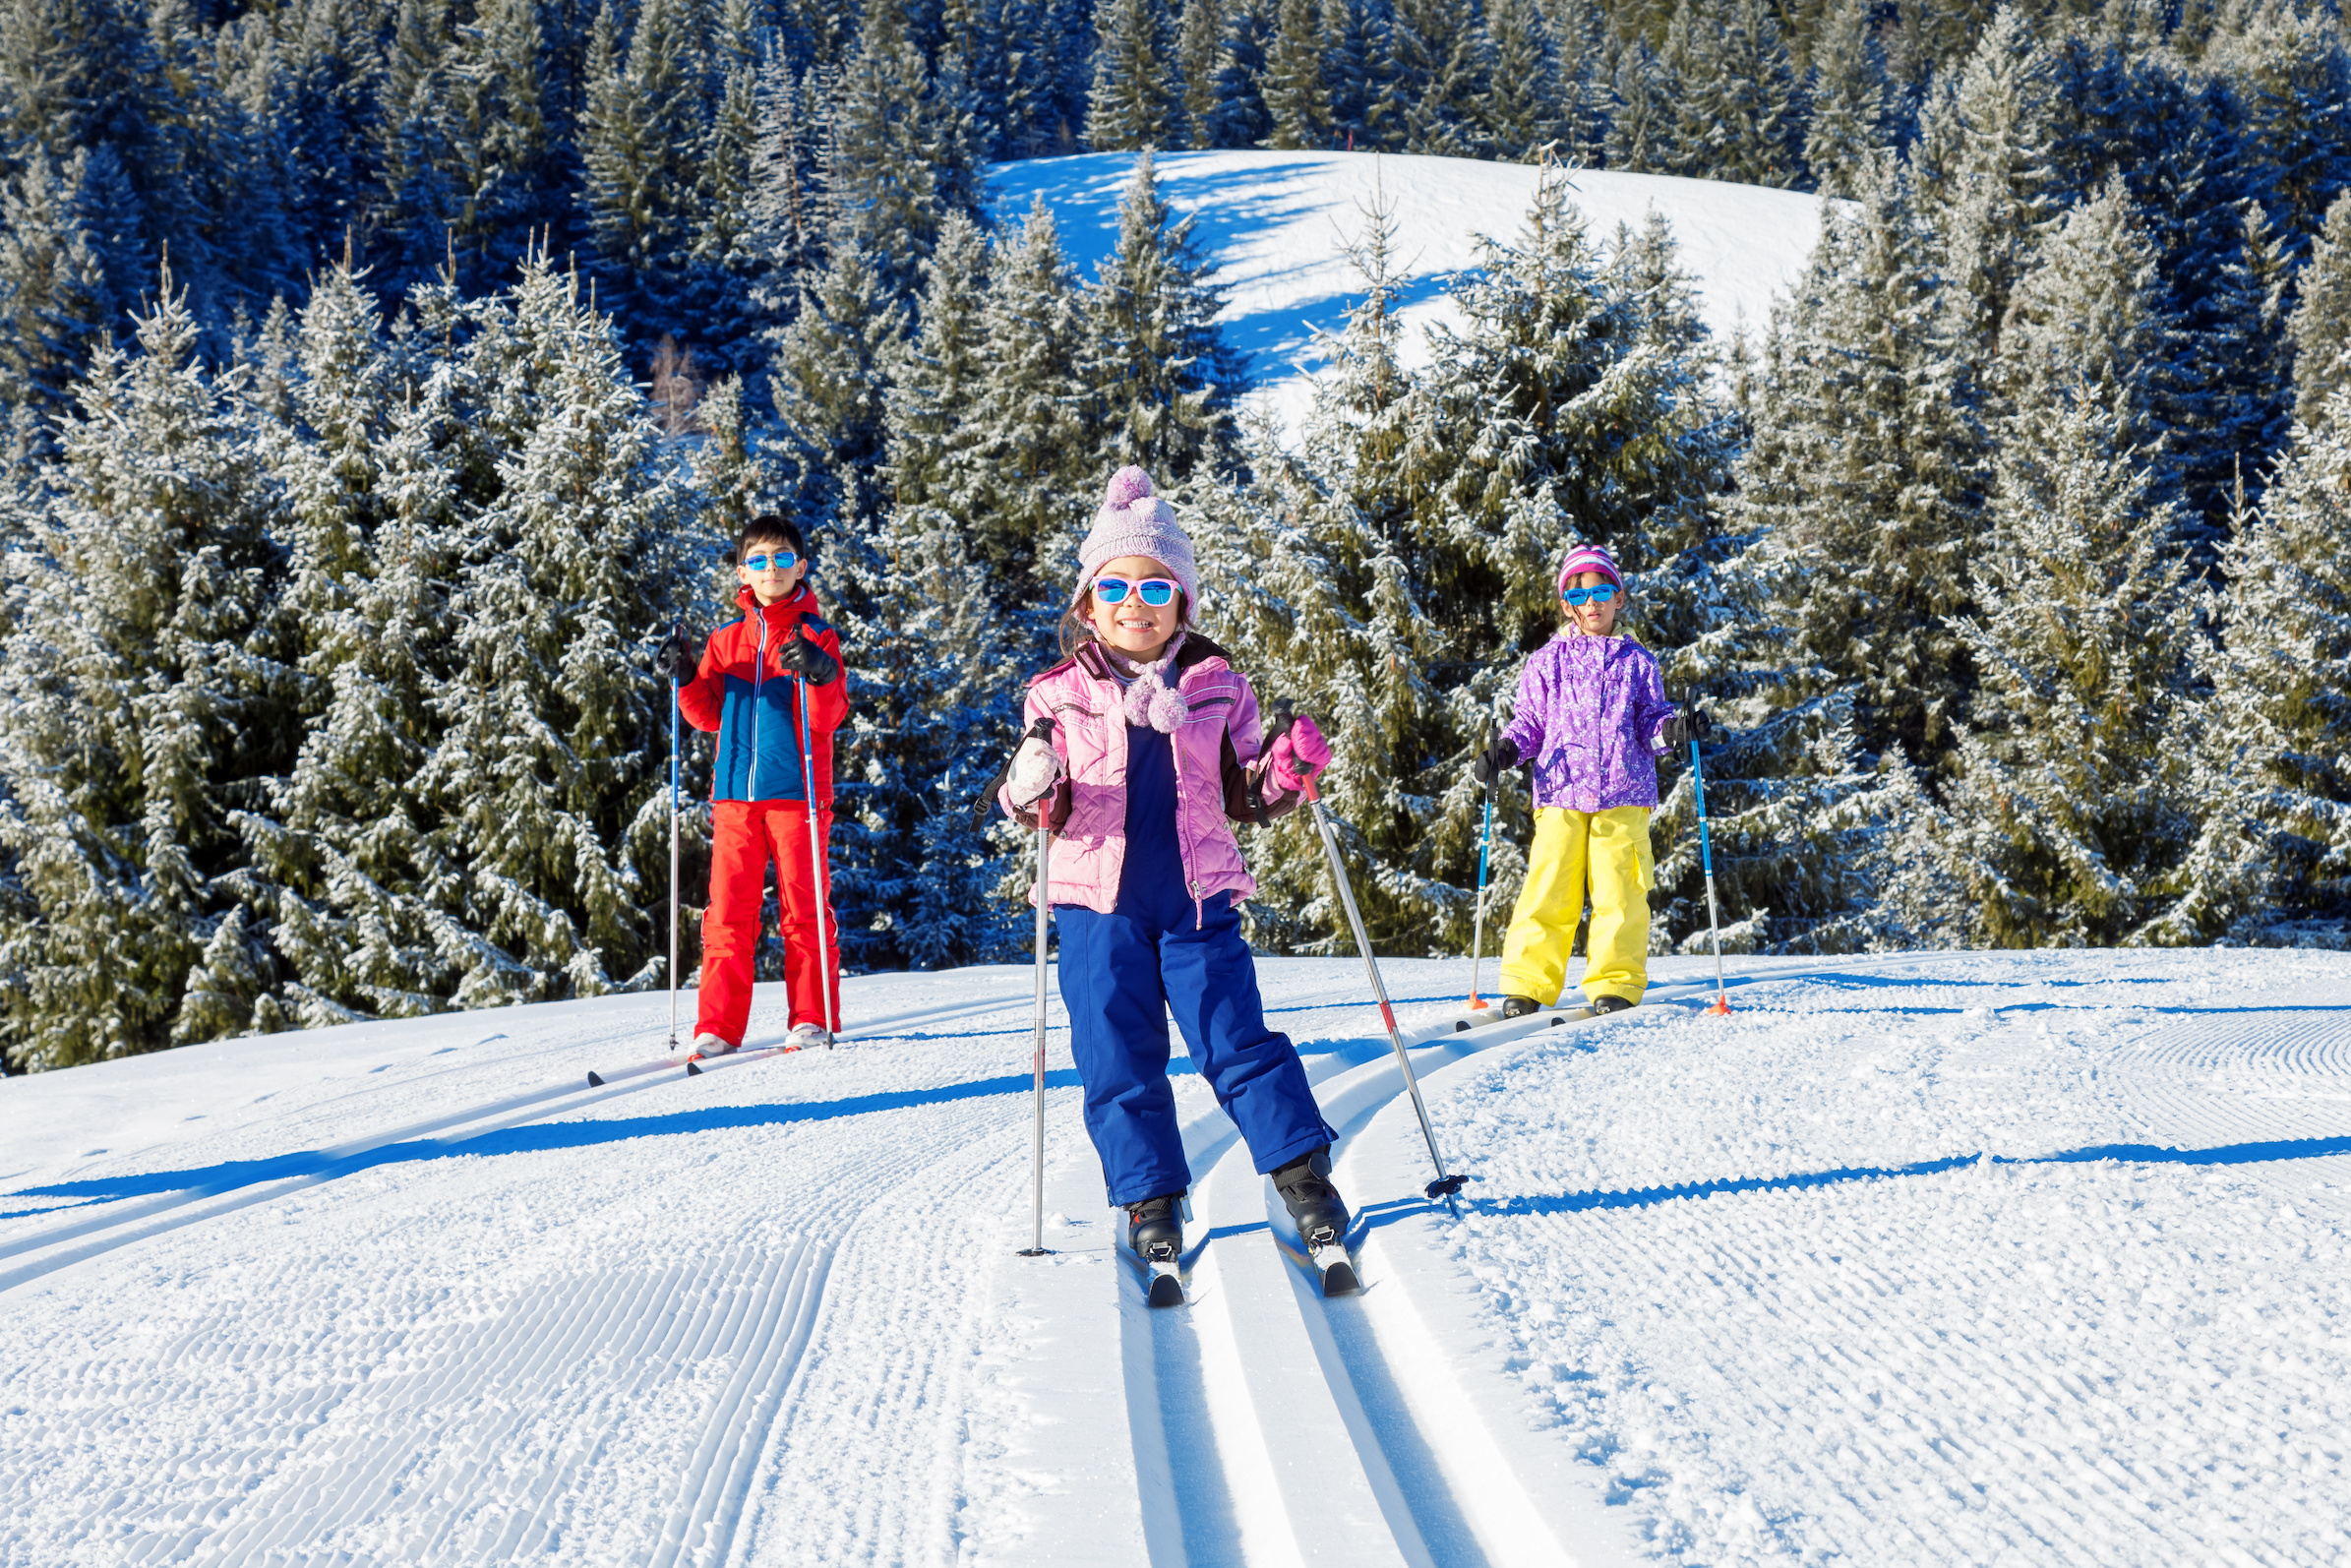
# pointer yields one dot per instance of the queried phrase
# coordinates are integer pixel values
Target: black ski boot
(1520, 1006)
(1155, 1227)
(1313, 1203)
(1155, 1234)
(1320, 1215)
(1608, 1005)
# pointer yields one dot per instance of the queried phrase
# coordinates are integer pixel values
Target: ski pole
(1444, 1185)
(1706, 855)
(807, 779)
(1486, 838)
(1042, 729)
(675, 687)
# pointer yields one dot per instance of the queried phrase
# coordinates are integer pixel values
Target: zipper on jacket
(758, 673)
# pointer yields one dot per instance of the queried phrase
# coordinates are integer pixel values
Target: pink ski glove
(1297, 751)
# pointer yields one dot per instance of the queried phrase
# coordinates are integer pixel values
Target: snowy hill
(1954, 1258)
(1276, 225)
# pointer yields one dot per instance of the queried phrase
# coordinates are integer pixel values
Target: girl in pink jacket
(1158, 749)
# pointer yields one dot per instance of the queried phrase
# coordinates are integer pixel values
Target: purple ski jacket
(1587, 723)
(1216, 784)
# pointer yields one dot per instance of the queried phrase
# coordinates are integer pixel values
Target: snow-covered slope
(1951, 1259)
(1276, 225)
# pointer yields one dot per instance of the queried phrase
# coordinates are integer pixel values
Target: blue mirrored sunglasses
(1603, 592)
(1154, 591)
(784, 561)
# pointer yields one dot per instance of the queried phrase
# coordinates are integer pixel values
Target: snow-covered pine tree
(1436, 71)
(55, 297)
(2289, 68)
(640, 134)
(787, 200)
(828, 377)
(2091, 320)
(1160, 381)
(1199, 45)
(1296, 87)
(1032, 463)
(2071, 815)
(548, 777)
(1985, 177)
(1736, 114)
(372, 463)
(1861, 488)
(930, 703)
(1579, 31)
(1849, 99)
(1237, 115)
(903, 155)
(2320, 326)
(1520, 111)
(1640, 138)
(502, 139)
(1351, 66)
(137, 706)
(1137, 100)
(2271, 763)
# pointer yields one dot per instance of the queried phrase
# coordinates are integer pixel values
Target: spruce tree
(1200, 44)
(2271, 766)
(640, 137)
(1137, 100)
(1640, 136)
(1849, 100)
(1298, 93)
(1238, 116)
(2320, 326)
(2071, 813)
(138, 705)
(1436, 77)
(1033, 464)
(1161, 382)
(1522, 112)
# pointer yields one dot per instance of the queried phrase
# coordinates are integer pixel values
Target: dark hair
(768, 529)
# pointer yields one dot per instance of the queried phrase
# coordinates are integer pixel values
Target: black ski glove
(805, 657)
(1502, 753)
(1690, 724)
(679, 656)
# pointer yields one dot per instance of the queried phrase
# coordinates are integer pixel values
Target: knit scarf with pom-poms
(1150, 699)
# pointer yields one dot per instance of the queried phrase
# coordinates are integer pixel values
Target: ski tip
(1340, 1280)
(694, 1068)
(1166, 1291)
(595, 1082)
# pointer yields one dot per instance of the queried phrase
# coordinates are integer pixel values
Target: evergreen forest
(382, 379)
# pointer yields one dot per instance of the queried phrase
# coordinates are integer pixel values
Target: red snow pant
(746, 836)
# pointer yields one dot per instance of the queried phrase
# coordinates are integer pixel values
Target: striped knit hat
(1583, 558)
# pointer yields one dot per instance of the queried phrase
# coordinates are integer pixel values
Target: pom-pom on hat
(1134, 521)
(1585, 558)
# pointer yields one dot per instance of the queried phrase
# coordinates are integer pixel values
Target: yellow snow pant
(1611, 847)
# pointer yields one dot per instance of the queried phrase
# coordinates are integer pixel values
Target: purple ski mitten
(1301, 744)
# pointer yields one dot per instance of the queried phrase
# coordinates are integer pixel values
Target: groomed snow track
(1271, 1426)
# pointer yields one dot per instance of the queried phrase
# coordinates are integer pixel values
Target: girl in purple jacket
(1591, 721)
(1157, 750)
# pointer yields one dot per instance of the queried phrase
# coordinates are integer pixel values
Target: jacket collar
(1091, 658)
(798, 601)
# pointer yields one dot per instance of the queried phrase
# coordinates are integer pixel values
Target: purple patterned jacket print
(1587, 722)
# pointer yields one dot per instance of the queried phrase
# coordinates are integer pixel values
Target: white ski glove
(1036, 769)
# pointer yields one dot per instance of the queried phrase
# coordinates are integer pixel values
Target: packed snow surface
(1954, 1258)
(1277, 227)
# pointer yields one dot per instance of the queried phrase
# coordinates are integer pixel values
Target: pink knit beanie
(1133, 521)
(1585, 558)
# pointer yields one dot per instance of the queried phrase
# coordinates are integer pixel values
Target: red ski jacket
(746, 694)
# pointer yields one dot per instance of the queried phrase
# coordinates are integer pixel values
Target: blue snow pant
(1158, 952)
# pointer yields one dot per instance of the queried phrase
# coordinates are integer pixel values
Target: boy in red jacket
(760, 684)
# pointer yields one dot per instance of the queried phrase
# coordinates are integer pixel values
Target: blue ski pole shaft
(816, 876)
(1486, 839)
(674, 701)
(1706, 856)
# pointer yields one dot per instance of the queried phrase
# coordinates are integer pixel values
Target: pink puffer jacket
(1216, 774)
